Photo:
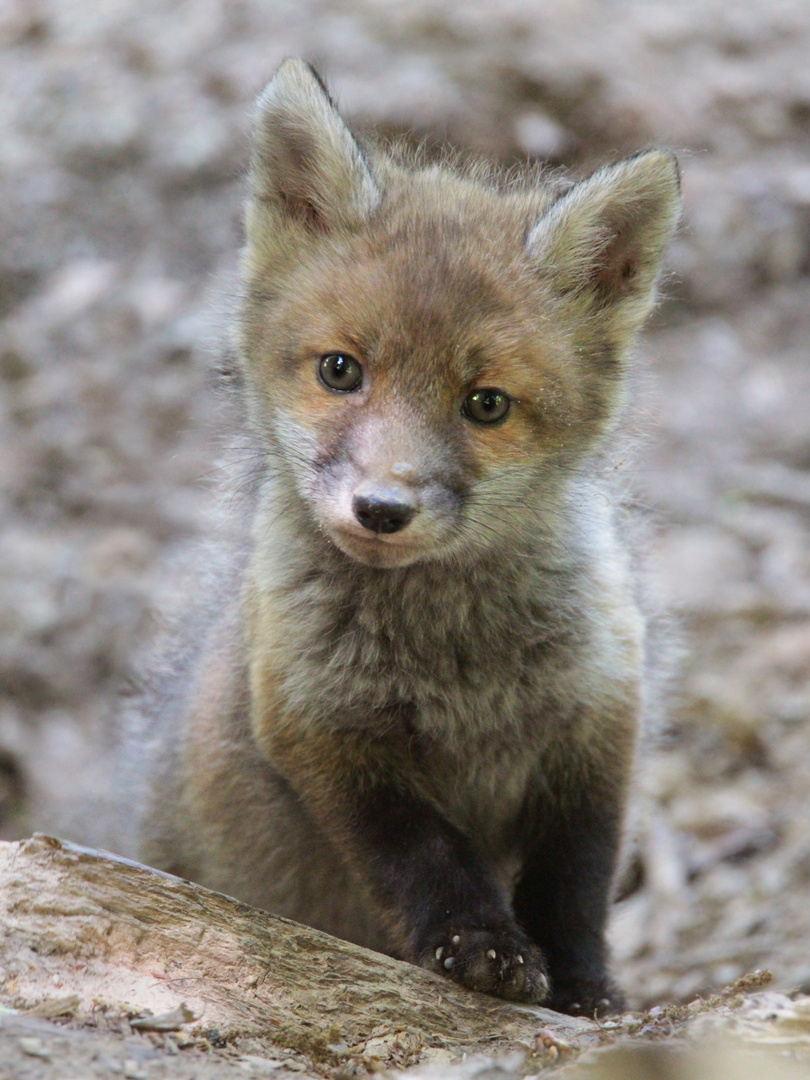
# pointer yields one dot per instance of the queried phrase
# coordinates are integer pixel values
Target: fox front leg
(563, 897)
(454, 918)
(436, 895)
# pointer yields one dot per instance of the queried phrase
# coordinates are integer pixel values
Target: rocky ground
(122, 142)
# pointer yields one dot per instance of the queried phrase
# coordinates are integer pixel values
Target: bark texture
(81, 923)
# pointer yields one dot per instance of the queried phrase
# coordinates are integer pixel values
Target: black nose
(382, 513)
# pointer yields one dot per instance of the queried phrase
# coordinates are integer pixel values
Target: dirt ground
(122, 142)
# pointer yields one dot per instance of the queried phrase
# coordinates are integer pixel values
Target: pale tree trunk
(78, 922)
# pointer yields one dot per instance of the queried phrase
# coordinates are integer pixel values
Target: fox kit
(410, 714)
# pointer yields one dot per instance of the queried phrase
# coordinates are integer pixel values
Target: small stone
(34, 1048)
(168, 1021)
(133, 1071)
(253, 1064)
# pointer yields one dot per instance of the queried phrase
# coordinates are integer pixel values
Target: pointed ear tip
(290, 73)
(660, 163)
(295, 67)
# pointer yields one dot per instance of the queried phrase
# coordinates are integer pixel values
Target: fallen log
(106, 933)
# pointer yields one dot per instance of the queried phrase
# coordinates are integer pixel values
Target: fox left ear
(307, 168)
(600, 244)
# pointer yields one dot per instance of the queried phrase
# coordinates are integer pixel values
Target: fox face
(416, 398)
(428, 353)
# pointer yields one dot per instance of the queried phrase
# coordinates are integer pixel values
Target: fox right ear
(306, 164)
(600, 244)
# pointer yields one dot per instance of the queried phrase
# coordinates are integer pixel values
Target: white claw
(456, 939)
(520, 959)
(492, 954)
(544, 983)
(439, 953)
(449, 963)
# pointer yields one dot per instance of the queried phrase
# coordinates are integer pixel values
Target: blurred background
(123, 137)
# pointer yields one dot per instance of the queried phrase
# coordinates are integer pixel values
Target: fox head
(429, 353)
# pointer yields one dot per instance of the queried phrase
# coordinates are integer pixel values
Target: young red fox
(411, 713)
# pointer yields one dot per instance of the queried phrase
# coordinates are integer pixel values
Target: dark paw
(500, 962)
(587, 997)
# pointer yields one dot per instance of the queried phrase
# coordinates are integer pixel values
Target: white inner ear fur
(305, 159)
(606, 236)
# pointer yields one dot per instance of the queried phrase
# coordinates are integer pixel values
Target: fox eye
(486, 406)
(340, 372)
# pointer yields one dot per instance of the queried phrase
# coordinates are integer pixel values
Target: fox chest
(482, 755)
(478, 742)
(470, 703)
